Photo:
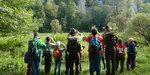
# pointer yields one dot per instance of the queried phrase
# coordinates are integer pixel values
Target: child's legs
(59, 67)
(122, 63)
(29, 67)
(128, 60)
(56, 64)
(133, 61)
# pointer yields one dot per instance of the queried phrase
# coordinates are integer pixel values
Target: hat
(106, 26)
(58, 43)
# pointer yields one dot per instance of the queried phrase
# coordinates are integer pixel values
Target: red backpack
(56, 53)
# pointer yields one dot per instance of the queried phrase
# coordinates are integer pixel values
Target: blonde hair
(130, 40)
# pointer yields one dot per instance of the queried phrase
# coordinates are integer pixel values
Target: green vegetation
(19, 18)
(12, 60)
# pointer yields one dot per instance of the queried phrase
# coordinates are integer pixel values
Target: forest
(19, 18)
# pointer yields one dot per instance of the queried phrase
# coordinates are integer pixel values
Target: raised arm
(52, 40)
(63, 45)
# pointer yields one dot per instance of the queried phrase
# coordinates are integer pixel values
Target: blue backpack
(95, 45)
(131, 48)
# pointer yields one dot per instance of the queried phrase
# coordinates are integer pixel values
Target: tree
(62, 10)
(51, 12)
(71, 14)
(121, 22)
(38, 9)
(100, 15)
(141, 25)
(144, 8)
(55, 26)
(17, 17)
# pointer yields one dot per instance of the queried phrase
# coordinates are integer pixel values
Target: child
(131, 53)
(57, 54)
(120, 55)
(48, 54)
(28, 61)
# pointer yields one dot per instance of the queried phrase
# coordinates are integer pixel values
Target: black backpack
(131, 48)
(73, 46)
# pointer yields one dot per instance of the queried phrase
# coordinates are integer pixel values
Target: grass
(11, 62)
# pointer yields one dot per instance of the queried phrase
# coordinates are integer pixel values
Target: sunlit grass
(19, 67)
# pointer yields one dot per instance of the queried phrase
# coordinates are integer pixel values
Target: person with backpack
(95, 45)
(36, 51)
(74, 48)
(120, 55)
(67, 60)
(48, 54)
(131, 52)
(110, 41)
(57, 54)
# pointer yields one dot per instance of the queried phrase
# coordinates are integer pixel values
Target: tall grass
(12, 63)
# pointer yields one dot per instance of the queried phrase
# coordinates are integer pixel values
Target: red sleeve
(88, 38)
(100, 38)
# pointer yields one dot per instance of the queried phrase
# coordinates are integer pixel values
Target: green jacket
(41, 46)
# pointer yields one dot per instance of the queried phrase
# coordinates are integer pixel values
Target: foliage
(144, 8)
(141, 25)
(55, 25)
(101, 15)
(16, 17)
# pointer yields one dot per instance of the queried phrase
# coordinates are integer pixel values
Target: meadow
(13, 48)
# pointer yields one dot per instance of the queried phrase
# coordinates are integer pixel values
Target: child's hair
(130, 40)
(48, 38)
(119, 41)
(94, 31)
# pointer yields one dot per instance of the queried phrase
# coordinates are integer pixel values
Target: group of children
(48, 54)
(131, 54)
(60, 47)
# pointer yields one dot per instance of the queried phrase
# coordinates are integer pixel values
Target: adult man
(73, 48)
(110, 49)
(36, 52)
